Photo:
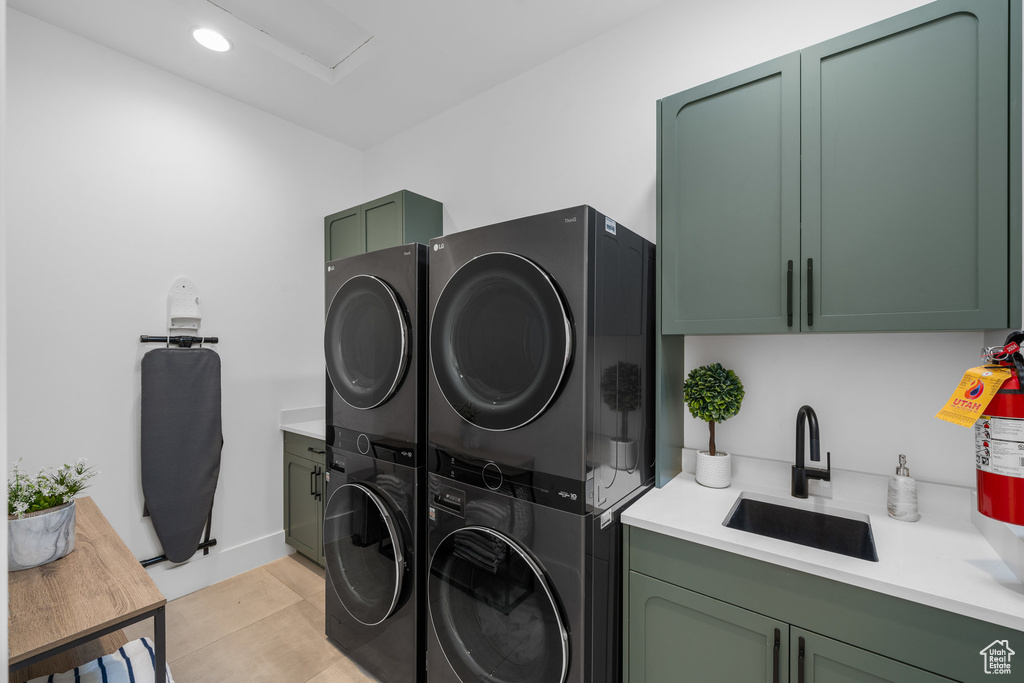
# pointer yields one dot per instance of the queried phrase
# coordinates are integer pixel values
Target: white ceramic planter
(714, 471)
(620, 455)
(40, 537)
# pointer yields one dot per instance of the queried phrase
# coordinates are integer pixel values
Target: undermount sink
(837, 531)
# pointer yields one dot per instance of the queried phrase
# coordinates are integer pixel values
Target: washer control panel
(557, 492)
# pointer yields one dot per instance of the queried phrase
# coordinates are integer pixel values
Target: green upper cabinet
(399, 218)
(344, 234)
(905, 172)
(730, 201)
(862, 184)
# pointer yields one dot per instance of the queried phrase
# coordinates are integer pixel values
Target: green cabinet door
(818, 659)
(344, 235)
(399, 218)
(678, 635)
(304, 483)
(904, 179)
(301, 510)
(383, 219)
(729, 189)
(320, 485)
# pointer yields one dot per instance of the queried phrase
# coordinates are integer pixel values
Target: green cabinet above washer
(867, 183)
(399, 218)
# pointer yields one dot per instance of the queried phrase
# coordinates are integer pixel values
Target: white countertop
(305, 421)
(941, 561)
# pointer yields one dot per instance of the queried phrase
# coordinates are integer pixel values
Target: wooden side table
(95, 590)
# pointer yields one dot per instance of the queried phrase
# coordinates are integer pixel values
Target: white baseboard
(176, 580)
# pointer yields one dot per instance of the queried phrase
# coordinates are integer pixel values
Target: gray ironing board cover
(181, 444)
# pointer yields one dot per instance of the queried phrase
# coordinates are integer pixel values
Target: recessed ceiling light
(212, 40)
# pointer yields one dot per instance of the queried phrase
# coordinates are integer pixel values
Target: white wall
(120, 179)
(3, 309)
(581, 129)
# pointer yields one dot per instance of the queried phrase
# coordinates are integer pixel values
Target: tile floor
(264, 625)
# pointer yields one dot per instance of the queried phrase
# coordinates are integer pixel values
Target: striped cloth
(133, 663)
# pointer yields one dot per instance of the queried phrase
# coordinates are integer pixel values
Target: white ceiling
(357, 71)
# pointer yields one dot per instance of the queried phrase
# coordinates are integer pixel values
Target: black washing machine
(518, 591)
(373, 346)
(373, 543)
(375, 352)
(542, 356)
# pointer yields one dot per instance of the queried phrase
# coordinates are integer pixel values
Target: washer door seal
(501, 341)
(365, 553)
(493, 610)
(366, 342)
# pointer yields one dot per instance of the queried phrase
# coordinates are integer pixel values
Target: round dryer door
(364, 550)
(493, 611)
(366, 342)
(500, 341)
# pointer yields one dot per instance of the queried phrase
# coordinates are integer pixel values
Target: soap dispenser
(903, 494)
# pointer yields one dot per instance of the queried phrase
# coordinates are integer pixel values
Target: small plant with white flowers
(47, 489)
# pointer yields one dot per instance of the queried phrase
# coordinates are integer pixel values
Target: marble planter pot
(714, 471)
(40, 537)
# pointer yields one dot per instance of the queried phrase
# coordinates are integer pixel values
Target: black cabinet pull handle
(312, 484)
(800, 665)
(789, 296)
(775, 654)
(313, 450)
(810, 292)
(319, 485)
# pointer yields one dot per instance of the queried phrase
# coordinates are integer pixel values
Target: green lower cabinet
(303, 496)
(696, 613)
(817, 659)
(678, 635)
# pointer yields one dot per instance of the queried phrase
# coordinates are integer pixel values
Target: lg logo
(439, 245)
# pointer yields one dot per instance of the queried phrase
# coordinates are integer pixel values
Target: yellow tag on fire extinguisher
(973, 394)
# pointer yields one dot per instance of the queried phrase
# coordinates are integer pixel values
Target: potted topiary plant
(620, 390)
(41, 513)
(713, 394)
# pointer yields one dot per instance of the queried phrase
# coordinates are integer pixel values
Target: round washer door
(500, 341)
(366, 342)
(493, 611)
(364, 550)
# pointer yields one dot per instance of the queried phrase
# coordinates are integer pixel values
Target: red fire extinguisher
(999, 440)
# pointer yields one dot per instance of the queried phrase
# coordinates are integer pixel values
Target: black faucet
(800, 473)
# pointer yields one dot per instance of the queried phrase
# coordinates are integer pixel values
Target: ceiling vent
(311, 34)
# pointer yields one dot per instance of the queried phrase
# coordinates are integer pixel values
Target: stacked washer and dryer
(541, 430)
(374, 343)
(501, 559)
